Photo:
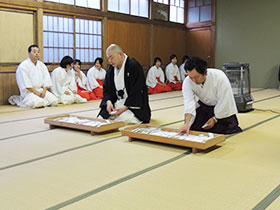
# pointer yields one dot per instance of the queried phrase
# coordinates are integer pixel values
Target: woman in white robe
(95, 78)
(155, 79)
(81, 81)
(33, 81)
(173, 74)
(183, 72)
(64, 86)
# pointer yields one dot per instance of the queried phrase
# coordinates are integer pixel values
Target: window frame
(74, 17)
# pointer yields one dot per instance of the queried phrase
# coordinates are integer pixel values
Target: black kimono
(135, 85)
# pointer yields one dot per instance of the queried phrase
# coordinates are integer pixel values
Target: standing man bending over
(216, 109)
(125, 94)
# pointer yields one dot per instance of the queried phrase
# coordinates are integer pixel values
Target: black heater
(239, 77)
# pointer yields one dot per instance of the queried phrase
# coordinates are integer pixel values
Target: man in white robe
(64, 85)
(216, 109)
(33, 81)
(173, 74)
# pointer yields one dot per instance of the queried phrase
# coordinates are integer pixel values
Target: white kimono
(82, 83)
(29, 75)
(153, 73)
(216, 91)
(65, 81)
(93, 75)
(171, 71)
(183, 72)
(127, 116)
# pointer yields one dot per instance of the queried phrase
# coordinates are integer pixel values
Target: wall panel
(168, 41)
(133, 38)
(8, 86)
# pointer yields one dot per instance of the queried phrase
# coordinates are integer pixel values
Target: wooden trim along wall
(141, 38)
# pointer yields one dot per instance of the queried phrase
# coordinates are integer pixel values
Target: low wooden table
(110, 127)
(218, 138)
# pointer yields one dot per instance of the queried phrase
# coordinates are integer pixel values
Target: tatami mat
(63, 168)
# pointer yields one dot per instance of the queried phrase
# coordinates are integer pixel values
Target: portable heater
(239, 77)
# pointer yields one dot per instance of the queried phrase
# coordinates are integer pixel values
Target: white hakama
(65, 81)
(29, 75)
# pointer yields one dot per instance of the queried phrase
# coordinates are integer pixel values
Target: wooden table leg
(52, 126)
(194, 150)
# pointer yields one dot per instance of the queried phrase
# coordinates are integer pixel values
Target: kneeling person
(124, 89)
(64, 85)
(33, 81)
(216, 109)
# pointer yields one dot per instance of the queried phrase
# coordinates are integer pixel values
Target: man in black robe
(125, 94)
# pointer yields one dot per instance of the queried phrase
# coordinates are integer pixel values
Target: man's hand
(67, 92)
(185, 129)
(209, 124)
(120, 110)
(110, 106)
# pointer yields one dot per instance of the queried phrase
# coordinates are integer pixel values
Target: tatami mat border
(118, 181)
(268, 199)
(29, 109)
(69, 150)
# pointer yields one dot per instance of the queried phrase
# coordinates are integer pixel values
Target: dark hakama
(226, 125)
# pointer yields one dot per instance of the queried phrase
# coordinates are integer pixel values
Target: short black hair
(156, 60)
(196, 63)
(77, 61)
(30, 47)
(66, 60)
(185, 58)
(172, 56)
(98, 59)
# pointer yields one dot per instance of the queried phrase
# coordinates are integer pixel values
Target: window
(199, 10)
(161, 1)
(177, 11)
(59, 36)
(95, 4)
(132, 7)
(88, 40)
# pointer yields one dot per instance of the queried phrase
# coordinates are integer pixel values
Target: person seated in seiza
(155, 79)
(215, 111)
(125, 94)
(64, 85)
(33, 80)
(95, 78)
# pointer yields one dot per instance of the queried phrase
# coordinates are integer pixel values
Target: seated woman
(173, 74)
(81, 81)
(155, 79)
(183, 72)
(64, 86)
(95, 78)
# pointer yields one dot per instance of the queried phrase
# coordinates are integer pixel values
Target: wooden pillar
(39, 30)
